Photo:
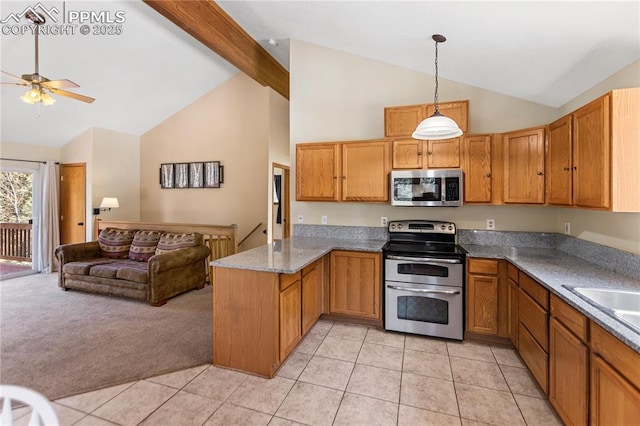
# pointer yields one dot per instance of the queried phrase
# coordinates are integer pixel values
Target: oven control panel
(422, 227)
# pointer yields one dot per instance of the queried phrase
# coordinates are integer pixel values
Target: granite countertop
(292, 254)
(555, 269)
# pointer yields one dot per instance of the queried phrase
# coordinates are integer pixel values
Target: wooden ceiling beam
(212, 26)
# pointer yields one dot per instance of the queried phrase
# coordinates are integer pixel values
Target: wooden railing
(15, 241)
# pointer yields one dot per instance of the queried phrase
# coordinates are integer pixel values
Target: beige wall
(278, 153)
(338, 96)
(80, 150)
(620, 230)
(229, 124)
(22, 151)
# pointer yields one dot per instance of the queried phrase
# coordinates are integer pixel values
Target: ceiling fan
(40, 85)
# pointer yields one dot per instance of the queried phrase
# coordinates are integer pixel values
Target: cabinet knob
(566, 169)
(488, 174)
(574, 168)
(335, 177)
(430, 152)
(419, 153)
(344, 177)
(539, 173)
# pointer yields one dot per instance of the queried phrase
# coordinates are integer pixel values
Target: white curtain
(49, 229)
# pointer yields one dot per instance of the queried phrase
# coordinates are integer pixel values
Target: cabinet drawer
(620, 356)
(483, 266)
(512, 273)
(569, 317)
(311, 267)
(287, 279)
(535, 357)
(534, 318)
(535, 290)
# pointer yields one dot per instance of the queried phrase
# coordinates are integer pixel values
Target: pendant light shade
(438, 126)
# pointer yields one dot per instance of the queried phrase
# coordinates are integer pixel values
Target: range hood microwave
(427, 188)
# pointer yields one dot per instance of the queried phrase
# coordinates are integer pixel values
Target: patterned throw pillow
(170, 241)
(115, 243)
(144, 245)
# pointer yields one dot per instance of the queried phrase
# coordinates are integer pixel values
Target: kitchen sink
(622, 304)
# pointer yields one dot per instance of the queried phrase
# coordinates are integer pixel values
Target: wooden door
(524, 166)
(290, 318)
(403, 120)
(614, 401)
(559, 162)
(443, 154)
(355, 284)
(365, 171)
(476, 154)
(317, 170)
(482, 304)
(591, 154)
(458, 111)
(407, 154)
(72, 203)
(311, 295)
(568, 374)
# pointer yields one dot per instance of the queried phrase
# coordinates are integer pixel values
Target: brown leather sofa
(154, 275)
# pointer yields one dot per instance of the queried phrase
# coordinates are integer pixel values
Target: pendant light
(437, 126)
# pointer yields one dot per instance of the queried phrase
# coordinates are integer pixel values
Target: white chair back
(42, 413)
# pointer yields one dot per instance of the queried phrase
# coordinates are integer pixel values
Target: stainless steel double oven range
(424, 272)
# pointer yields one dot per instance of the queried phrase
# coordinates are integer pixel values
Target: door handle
(421, 290)
(80, 223)
(423, 259)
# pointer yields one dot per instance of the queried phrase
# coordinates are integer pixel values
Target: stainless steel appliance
(431, 188)
(424, 279)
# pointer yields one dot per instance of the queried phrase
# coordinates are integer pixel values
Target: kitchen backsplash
(507, 238)
(341, 232)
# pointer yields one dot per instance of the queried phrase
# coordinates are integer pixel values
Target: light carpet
(62, 343)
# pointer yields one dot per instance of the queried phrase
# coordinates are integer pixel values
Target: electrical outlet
(491, 224)
(383, 221)
(324, 220)
(300, 218)
(567, 228)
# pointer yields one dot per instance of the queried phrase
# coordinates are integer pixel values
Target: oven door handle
(422, 290)
(423, 259)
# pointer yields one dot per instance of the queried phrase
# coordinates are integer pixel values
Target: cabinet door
(568, 372)
(476, 152)
(403, 120)
(311, 296)
(317, 169)
(482, 304)
(524, 166)
(559, 162)
(366, 167)
(290, 319)
(591, 155)
(443, 154)
(512, 312)
(458, 111)
(614, 401)
(355, 284)
(407, 154)
(534, 356)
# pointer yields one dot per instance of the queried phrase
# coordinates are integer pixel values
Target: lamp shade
(109, 203)
(437, 127)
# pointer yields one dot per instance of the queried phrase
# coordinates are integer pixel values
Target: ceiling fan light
(47, 99)
(437, 127)
(32, 96)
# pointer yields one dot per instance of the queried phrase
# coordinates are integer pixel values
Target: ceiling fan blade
(22, 81)
(71, 95)
(15, 84)
(57, 84)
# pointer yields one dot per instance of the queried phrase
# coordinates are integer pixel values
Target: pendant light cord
(435, 96)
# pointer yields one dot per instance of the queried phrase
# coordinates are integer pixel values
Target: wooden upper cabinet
(403, 120)
(365, 171)
(343, 171)
(476, 164)
(458, 111)
(591, 156)
(418, 154)
(523, 156)
(559, 162)
(317, 170)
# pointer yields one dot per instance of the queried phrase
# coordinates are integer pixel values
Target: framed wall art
(196, 175)
(166, 175)
(181, 175)
(213, 174)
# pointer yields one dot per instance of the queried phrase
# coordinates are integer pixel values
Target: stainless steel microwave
(431, 188)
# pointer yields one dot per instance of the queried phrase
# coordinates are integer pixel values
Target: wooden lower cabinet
(568, 374)
(290, 317)
(534, 357)
(614, 401)
(355, 284)
(312, 282)
(482, 304)
(512, 311)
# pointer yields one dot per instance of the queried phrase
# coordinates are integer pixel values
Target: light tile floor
(340, 374)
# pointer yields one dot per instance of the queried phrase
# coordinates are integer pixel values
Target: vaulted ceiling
(545, 52)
